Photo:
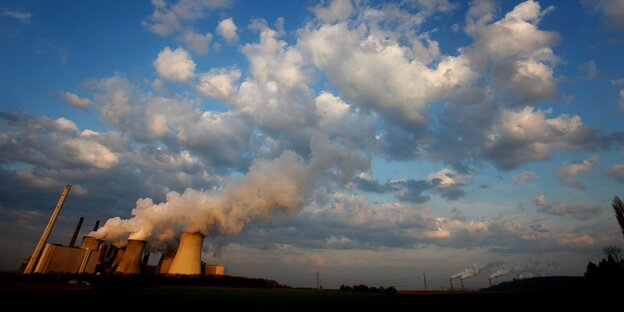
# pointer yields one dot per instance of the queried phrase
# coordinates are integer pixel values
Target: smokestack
(146, 258)
(46, 233)
(131, 261)
(76, 231)
(97, 225)
(187, 260)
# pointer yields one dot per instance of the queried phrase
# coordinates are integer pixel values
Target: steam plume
(498, 273)
(280, 185)
(466, 273)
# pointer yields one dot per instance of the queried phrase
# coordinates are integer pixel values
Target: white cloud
(168, 19)
(520, 136)
(567, 172)
(198, 43)
(540, 200)
(377, 73)
(446, 177)
(114, 100)
(513, 51)
(227, 29)
(176, 65)
(218, 83)
(524, 176)
(22, 17)
(87, 152)
(74, 100)
(612, 12)
(333, 10)
(617, 172)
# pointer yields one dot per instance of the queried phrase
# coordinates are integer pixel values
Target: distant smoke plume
(279, 185)
(466, 273)
(499, 273)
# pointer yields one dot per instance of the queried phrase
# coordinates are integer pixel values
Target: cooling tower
(131, 261)
(91, 243)
(165, 263)
(187, 260)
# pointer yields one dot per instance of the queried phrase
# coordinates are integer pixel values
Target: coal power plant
(96, 256)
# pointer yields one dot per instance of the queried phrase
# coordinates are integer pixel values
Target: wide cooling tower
(187, 260)
(131, 261)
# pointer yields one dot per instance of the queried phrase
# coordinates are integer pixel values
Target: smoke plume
(499, 273)
(279, 185)
(466, 273)
(268, 187)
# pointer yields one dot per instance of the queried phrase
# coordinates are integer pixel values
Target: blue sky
(335, 136)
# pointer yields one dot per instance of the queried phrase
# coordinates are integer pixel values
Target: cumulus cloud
(198, 43)
(567, 172)
(379, 74)
(218, 83)
(524, 176)
(611, 11)
(516, 55)
(53, 142)
(176, 65)
(333, 10)
(540, 200)
(617, 172)
(524, 135)
(74, 100)
(22, 17)
(168, 19)
(227, 29)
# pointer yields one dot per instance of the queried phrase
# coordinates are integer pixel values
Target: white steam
(268, 187)
(499, 273)
(466, 273)
(279, 185)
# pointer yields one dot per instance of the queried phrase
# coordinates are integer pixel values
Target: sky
(372, 142)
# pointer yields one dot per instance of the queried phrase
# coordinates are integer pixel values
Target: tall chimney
(131, 261)
(72, 242)
(46, 233)
(187, 260)
(97, 225)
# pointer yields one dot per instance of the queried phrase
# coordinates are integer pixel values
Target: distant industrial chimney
(46, 232)
(187, 260)
(131, 261)
(96, 226)
(72, 242)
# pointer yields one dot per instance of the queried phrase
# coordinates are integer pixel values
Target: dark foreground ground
(76, 295)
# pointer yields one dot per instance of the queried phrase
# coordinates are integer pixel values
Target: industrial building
(97, 256)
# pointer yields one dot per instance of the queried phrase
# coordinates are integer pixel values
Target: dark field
(283, 299)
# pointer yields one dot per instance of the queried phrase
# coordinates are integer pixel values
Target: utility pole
(318, 280)
(46, 233)
(451, 281)
(425, 279)
(461, 281)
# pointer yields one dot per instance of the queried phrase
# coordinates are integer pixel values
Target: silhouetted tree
(618, 206)
(612, 252)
